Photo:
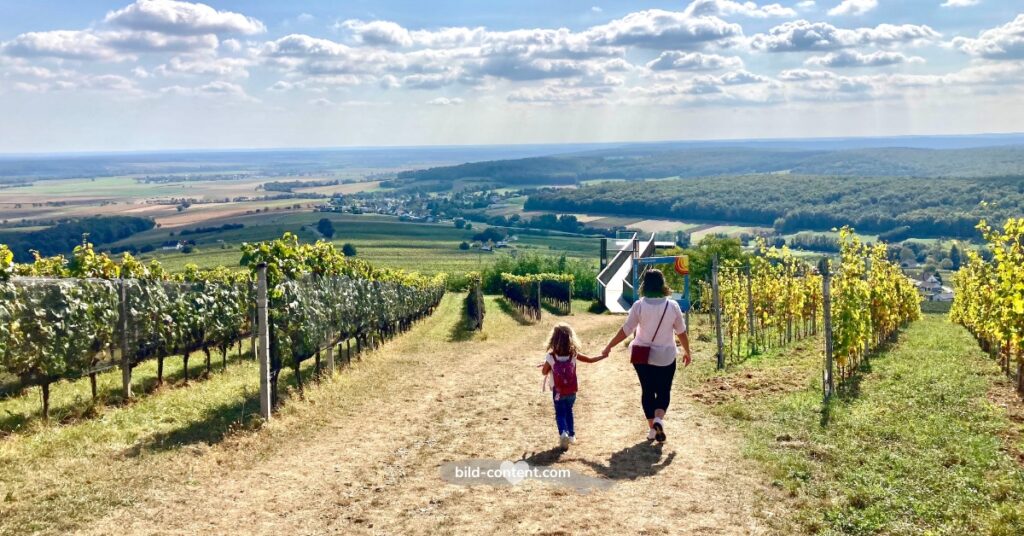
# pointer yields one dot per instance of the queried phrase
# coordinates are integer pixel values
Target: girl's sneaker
(563, 442)
(572, 440)
(651, 434)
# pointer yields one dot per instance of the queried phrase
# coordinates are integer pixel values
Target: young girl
(563, 353)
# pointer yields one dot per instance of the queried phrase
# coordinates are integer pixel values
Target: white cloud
(728, 8)
(445, 101)
(853, 7)
(63, 44)
(805, 5)
(182, 18)
(231, 45)
(205, 64)
(305, 17)
(552, 94)
(673, 60)
(666, 30)
(596, 9)
(72, 81)
(378, 33)
(157, 42)
(103, 45)
(852, 58)
(217, 90)
(802, 35)
(322, 102)
(960, 3)
(1001, 42)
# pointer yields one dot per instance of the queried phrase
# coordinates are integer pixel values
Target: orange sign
(682, 265)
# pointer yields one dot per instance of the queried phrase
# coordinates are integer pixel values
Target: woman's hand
(686, 358)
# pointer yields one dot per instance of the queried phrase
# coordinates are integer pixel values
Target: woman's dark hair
(654, 285)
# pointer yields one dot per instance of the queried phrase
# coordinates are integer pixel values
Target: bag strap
(659, 322)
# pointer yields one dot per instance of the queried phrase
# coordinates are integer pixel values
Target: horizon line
(86, 153)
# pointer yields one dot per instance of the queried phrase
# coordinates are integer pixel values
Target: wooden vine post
(538, 300)
(867, 277)
(828, 382)
(330, 359)
(717, 305)
(126, 358)
(263, 337)
(750, 313)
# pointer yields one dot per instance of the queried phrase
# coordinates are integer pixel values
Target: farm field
(124, 195)
(383, 240)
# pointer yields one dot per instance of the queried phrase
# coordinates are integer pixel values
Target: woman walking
(655, 319)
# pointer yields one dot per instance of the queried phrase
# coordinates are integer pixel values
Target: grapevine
(871, 300)
(63, 318)
(990, 296)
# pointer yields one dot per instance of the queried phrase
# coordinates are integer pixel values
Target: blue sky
(164, 74)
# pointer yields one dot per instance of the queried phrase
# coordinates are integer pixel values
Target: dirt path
(373, 467)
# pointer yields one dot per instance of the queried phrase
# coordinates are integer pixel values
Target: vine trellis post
(750, 313)
(126, 358)
(263, 348)
(828, 382)
(716, 301)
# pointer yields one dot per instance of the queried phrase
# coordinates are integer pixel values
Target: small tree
(460, 223)
(907, 255)
(682, 239)
(464, 246)
(348, 249)
(325, 227)
(469, 226)
(954, 257)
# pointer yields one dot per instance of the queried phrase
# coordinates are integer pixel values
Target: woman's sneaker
(651, 434)
(563, 442)
(659, 431)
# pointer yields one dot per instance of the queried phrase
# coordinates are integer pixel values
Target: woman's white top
(643, 318)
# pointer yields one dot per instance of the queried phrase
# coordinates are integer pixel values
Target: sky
(89, 75)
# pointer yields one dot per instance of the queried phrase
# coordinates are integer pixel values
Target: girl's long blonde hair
(563, 341)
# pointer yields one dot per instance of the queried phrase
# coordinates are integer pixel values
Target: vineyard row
(67, 318)
(990, 297)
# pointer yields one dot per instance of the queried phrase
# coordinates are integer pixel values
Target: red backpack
(563, 374)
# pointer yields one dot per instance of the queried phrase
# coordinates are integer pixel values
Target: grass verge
(913, 446)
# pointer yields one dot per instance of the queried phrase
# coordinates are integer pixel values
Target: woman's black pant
(655, 387)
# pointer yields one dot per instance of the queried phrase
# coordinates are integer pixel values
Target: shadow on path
(643, 459)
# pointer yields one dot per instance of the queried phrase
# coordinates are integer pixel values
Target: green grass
(911, 446)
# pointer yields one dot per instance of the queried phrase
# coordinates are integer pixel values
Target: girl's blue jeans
(563, 413)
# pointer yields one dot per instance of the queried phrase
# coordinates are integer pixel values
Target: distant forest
(934, 207)
(652, 163)
(63, 237)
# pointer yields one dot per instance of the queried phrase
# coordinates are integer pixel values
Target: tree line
(63, 237)
(942, 207)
